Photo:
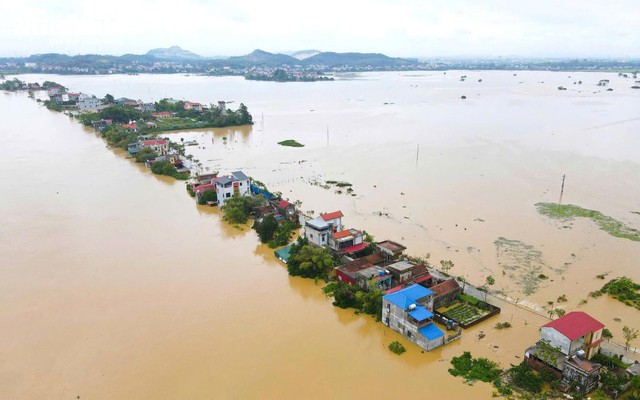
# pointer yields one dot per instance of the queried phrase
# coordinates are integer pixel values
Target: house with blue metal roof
(410, 312)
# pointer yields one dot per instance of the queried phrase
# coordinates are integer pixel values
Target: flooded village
(516, 308)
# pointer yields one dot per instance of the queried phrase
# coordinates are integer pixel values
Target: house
(287, 209)
(334, 220)
(565, 347)
(133, 127)
(317, 231)
(123, 101)
(402, 271)
(89, 104)
(199, 190)
(573, 332)
(192, 106)
(346, 240)
(162, 114)
(230, 185)
(445, 293)
(409, 312)
(373, 277)
(147, 107)
(160, 146)
(101, 125)
(347, 273)
(393, 250)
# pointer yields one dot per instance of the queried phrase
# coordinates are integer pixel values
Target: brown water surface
(113, 284)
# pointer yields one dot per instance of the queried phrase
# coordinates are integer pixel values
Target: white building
(227, 186)
(317, 231)
(89, 104)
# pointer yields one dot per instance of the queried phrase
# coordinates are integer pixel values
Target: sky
(400, 28)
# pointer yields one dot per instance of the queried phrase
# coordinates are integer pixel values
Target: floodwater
(113, 284)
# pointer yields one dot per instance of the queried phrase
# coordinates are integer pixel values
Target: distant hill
(332, 59)
(303, 54)
(261, 57)
(173, 53)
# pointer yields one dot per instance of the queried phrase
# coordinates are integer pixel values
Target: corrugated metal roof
(420, 313)
(317, 223)
(240, 175)
(431, 332)
(332, 215)
(407, 296)
(575, 324)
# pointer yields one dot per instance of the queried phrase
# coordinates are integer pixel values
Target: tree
(108, 98)
(208, 195)
(309, 261)
(267, 228)
(238, 208)
(606, 334)
(629, 335)
(446, 266)
(147, 153)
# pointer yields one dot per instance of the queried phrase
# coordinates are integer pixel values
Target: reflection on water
(115, 285)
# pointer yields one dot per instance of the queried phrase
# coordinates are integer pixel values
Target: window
(408, 334)
(228, 195)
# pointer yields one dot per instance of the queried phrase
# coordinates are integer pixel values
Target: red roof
(130, 126)
(575, 324)
(284, 204)
(423, 278)
(395, 289)
(203, 188)
(342, 234)
(154, 142)
(356, 248)
(332, 215)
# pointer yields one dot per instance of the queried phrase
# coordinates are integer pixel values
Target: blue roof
(431, 332)
(420, 313)
(407, 296)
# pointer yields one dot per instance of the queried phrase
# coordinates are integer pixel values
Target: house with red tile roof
(286, 209)
(565, 348)
(347, 273)
(188, 105)
(160, 146)
(334, 220)
(346, 240)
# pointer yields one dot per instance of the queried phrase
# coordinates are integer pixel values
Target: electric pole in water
(562, 188)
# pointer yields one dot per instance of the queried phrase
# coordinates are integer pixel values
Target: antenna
(562, 188)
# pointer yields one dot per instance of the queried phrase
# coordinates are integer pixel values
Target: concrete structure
(147, 107)
(401, 271)
(230, 185)
(286, 209)
(373, 277)
(347, 273)
(409, 312)
(334, 220)
(160, 146)
(565, 347)
(344, 239)
(317, 231)
(89, 104)
(446, 292)
(573, 332)
(393, 250)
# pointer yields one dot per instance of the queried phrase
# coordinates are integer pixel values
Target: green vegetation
(397, 347)
(238, 208)
(525, 378)
(622, 289)
(464, 313)
(606, 333)
(309, 261)
(610, 362)
(520, 262)
(290, 143)
(629, 335)
(606, 223)
(165, 168)
(352, 296)
(207, 196)
(481, 369)
(12, 85)
(267, 228)
(145, 155)
(502, 325)
(270, 231)
(613, 382)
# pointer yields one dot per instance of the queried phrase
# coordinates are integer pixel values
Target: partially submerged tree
(629, 335)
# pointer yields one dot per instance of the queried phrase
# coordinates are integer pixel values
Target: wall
(556, 339)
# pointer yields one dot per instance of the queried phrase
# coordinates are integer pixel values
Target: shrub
(397, 347)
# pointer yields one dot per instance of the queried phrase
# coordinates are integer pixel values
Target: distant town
(303, 66)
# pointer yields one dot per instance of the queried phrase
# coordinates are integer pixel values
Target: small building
(373, 277)
(402, 271)
(287, 209)
(147, 107)
(101, 124)
(188, 105)
(317, 231)
(409, 312)
(160, 146)
(347, 273)
(123, 101)
(283, 254)
(345, 239)
(445, 292)
(393, 250)
(334, 219)
(230, 185)
(565, 347)
(162, 114)
(199, 190)
(89, 104)
(133, 127)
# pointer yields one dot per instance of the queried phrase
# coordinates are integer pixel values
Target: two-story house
(410, 312)
(230, 185)
(317, 231)
(565, 347)
(345, 239)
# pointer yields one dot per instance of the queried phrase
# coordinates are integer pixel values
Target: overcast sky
(404, 28)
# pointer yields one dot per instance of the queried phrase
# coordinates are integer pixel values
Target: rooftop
(420, 313)
(154, 142)
(445, 287)
(355, 248)
(284, 204)
(345, 233)
(332, 215)
(391, 246)
(358, 264)
(431, 332)
(239, 175)
(575, 324)
(402, 266)
(317, 224)
(407, 296)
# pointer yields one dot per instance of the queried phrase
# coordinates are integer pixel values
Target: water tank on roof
(412, 307)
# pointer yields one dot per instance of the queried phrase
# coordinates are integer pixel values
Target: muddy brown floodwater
(113, 284)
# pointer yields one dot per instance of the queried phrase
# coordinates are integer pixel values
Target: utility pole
(562, 188)
(417, 153)
(327, 135)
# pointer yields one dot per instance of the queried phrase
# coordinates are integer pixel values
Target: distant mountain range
(173, 53)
